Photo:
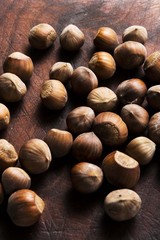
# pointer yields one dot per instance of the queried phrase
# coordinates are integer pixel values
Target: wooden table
(69, 215)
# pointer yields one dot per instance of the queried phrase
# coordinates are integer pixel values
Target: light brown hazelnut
(42, 36)
(102, 99)
(25, 207)
(131, 91)
(83, 80)
(86, 177)
(87, 147)
(122, 204)
(135, 33)
(59, 142)
(110, 128)
(130, 55)
(103, 65)
(153, 97)
(80, 120)
(54, 95)
(4, 116)
(121, 170)
(154, 128)
(15, 178)
(61, 71)
(35, 156)
(152, 67)
(19, 64)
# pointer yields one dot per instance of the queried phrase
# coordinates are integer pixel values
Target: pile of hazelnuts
(91, 128)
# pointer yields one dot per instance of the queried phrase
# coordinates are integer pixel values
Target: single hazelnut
(122, 204)
(59, 142)
(15, 178)
(42, 36)
(154, 128)
(8, 155)
(153, 97)
(130, 55)
(12, 89)
(1, 193)
(87, 147)
(80, 120)
(71, 38)
(25, 207)
(86, 177)
(61, 71)
(102, 99)
(110, 128)
(103, 65)
(135, 117)
(121, 170)
(135, 33)
(4, 116)
(141, 149)
(152, 66)
(35, 156)
(131, 91)
(83, 80)
(106, 39)
(54, 95)
(19, 64)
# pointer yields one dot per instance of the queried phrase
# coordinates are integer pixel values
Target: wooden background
(69, 215)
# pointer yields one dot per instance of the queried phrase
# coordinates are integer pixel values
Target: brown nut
(15, 178)
(61, 71)
(35, 156)
(12, 89)
(71, 38)
(59, 142)
(153, 97)
(87, 147)
(135, 117)
(80, 119)
(110, 128)
(4, 116)
(131, 91)
(54, 95)
(86, 177)
(42, 36)
(122, 204)
(152, 66)
(154, 128)
(106, 39)
(20, 65)
(121, 170)
(141, 149)
(102, 99)
(130, 55)
(103, 65)
(25, 207)
(83, 80)
(135, 33)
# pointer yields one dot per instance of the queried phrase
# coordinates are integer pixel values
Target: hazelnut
(42, 36)
(12, 89)
(19, 64)
(71, 38)
(153, 97)
(87, 147)
(122, 204)
(154, 128)
(130, 55)
(152, 66)
(15, 178)
(61, 71)
(135, 117)
(83, 80)
(8, 155)
(102, 99)
(4, 116)
(110, 128)
(121, 170)
(35, 156)
(103, 65)
(141, 149)
(80, 120)
(86, 177)
(106, 39)
(54, 95)
(131, 91)
(59, 142)
(1, 193)
(135, 33)
(25, 207)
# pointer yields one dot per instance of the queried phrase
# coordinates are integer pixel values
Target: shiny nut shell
(4, 116)
(152, 66)
(153, 97)
(135, 33)
(154, 128)
(61, 71)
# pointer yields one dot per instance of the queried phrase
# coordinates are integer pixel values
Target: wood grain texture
(69, 215)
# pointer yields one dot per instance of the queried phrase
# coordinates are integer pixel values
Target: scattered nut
(135, 33)
(61, 71)
(153, 97)
(154, 128)
(152, 66)
(4, 116)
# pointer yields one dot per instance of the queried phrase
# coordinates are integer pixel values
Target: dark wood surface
(69, 215)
